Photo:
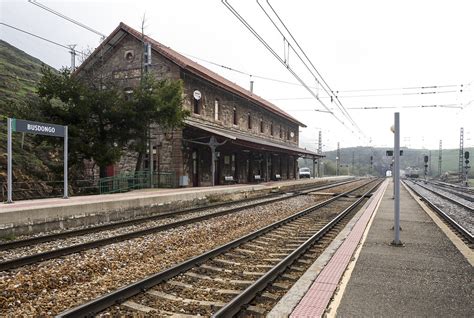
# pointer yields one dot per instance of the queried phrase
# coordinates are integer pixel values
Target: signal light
(426, 159)
(466, 155)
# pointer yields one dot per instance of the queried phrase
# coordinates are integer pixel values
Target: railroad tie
(219, 291)
(170, 297)
(138, 307)
(221, 280)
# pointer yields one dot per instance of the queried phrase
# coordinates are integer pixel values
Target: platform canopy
(252, 142)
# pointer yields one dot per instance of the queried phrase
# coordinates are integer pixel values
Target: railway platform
(30, 216)
(365, 276)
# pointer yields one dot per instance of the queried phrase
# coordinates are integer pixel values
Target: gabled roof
(185, 63)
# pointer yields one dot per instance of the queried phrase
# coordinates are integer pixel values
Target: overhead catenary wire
(326, 86)
(458, 106)
(69, 48)
(253, 75)
(42, 6)
(372, 95)
(283, 62)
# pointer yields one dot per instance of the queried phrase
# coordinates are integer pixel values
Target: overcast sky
(358, 46)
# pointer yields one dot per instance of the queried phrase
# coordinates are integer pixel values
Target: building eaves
(239, 136)
(191, 66)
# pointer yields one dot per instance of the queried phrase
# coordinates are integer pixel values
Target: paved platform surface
(427, 277)
(28, 211)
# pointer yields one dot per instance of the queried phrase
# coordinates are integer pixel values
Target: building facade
(231, 136)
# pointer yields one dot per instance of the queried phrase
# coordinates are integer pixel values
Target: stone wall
(245, 109)
(123, 66)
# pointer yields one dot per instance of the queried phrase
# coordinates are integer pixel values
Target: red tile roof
(199, 70)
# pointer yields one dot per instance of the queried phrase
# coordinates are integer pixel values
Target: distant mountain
(356, 160)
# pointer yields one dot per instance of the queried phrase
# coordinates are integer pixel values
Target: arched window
(249, 121)
(217, 110)
(234, 116)
(261, 125)
(271, 128)
(197, 106)
(197, 100)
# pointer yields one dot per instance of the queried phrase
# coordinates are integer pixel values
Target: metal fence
(47, 189)
(115, 184)
(137, 180)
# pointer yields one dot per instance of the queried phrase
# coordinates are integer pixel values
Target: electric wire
(421, 87)
(44, 39)
(42, 6)
(371, 95)
(249, 27)
(317, 72)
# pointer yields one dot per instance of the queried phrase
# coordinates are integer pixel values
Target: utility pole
(73, 56)
(461, 155)
(320, 151)
(338, 158)
(440, 158)
(353, 160)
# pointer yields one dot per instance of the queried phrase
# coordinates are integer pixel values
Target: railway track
(166, 221)
(463, 193)
(224, 281)
(452, 197)
(457, 215)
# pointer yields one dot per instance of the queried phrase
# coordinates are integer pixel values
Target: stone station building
(248, 138)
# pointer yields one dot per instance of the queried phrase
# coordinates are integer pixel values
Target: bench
(257, 178)
(277, 177)
(229, 179)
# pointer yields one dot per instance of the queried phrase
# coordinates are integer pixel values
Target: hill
(34, 163)
(19, 73)
(356, 160)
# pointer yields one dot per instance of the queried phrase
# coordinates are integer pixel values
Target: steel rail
(466, 195)
(96, 305)
(238, 302)
(444, 196)
(458, 227)
(39, 257)
(103, 227)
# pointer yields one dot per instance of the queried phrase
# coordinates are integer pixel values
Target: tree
(155, 102)
(96, 117)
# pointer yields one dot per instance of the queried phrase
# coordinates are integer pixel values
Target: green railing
(137, 180)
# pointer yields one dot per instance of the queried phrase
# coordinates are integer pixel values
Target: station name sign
(38, 128)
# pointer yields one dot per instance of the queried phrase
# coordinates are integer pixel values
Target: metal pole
(150, 157)
(9, 160)
(65, 192)
(396, 180)
(213, 164)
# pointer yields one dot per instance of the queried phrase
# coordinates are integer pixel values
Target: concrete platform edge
(292, 298)
(33, 216)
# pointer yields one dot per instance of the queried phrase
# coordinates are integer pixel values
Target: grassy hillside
(32, 162)
(19, 73)
(411, 158)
